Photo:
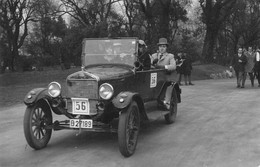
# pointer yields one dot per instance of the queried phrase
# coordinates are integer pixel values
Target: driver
(164, 60)
(143, 58)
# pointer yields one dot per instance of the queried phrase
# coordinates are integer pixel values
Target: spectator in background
(179, 62)
(187, 68)
(257, 65)
(249, 68)
(238, 64)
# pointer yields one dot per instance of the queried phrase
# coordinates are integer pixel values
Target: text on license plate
(80, 106)
(81, 123)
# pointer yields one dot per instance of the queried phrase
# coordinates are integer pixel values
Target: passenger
(238, 63)
(164, 60)
(143, 58)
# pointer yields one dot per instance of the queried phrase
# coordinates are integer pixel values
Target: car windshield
(109, 51)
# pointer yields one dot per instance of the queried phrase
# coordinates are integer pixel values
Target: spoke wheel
(128, 129)
(36, 118)
(171, 116)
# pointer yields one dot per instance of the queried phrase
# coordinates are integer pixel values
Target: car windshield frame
(109, 51)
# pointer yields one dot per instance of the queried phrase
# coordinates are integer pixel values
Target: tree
(245, 22)
(14, 18)
(131, 14)
(162, 17)
(95, 14)
(242, 28)
(215, 12)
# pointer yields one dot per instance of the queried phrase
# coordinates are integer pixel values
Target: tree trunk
(164, 19)
(14, 55)
(209, 44)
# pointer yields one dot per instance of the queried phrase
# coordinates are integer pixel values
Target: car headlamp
(106, 91)
(54, 89)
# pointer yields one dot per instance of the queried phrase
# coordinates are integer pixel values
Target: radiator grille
(82, 88)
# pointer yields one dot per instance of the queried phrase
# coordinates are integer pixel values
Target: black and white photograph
(130, 83)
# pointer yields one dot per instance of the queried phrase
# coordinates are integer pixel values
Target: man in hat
(164, 60)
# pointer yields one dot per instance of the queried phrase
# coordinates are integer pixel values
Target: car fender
(124, 99)
(35, 95)
(176, 88)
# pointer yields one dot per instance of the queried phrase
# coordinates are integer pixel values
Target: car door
(149, 83)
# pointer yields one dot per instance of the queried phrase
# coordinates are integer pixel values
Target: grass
(14, 86)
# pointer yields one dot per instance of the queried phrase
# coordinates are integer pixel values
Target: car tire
(128, 129)
(36, 118)
(171, 116)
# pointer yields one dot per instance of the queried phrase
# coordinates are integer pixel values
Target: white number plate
(83, 123)
(80, 106)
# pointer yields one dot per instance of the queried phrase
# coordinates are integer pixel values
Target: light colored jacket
(250, 61)
(166, 60)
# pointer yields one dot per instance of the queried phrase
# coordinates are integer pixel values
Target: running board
(154, 112)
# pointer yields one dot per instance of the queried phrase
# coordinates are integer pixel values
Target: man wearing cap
(143, 58)
(164, 60)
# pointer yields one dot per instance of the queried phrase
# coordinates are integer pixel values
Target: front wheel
(128, 129)
(171, 116)
(36, 119)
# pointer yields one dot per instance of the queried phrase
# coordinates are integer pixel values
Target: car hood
(103, 72)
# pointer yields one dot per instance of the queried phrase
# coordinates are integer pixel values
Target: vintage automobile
(108, 94)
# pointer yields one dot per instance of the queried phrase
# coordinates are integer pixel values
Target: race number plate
(81, 123)
(80, 106)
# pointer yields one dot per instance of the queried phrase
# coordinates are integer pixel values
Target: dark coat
(239, 66)
(178, 63)
(186, 66)
(144, 61)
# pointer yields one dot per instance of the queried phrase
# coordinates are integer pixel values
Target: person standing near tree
(187, 68)
(164, 60)
(179, 62)
(250, 65)
(238, 64)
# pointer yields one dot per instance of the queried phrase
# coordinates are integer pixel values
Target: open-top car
(108, 94)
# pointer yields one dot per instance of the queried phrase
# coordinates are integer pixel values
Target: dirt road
(217, 125)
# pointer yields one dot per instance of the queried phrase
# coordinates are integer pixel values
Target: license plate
(81, 123)
(80, 106)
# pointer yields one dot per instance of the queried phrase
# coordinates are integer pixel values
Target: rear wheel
(128, 129)
(36, 118)
(171, 116)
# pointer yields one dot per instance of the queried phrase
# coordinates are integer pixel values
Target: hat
(162, 41)
(141, 43)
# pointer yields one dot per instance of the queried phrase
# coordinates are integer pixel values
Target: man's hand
(155, 61)
(240, 61)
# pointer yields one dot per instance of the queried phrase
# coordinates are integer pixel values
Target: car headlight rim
(106, 91)
(54, 89)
